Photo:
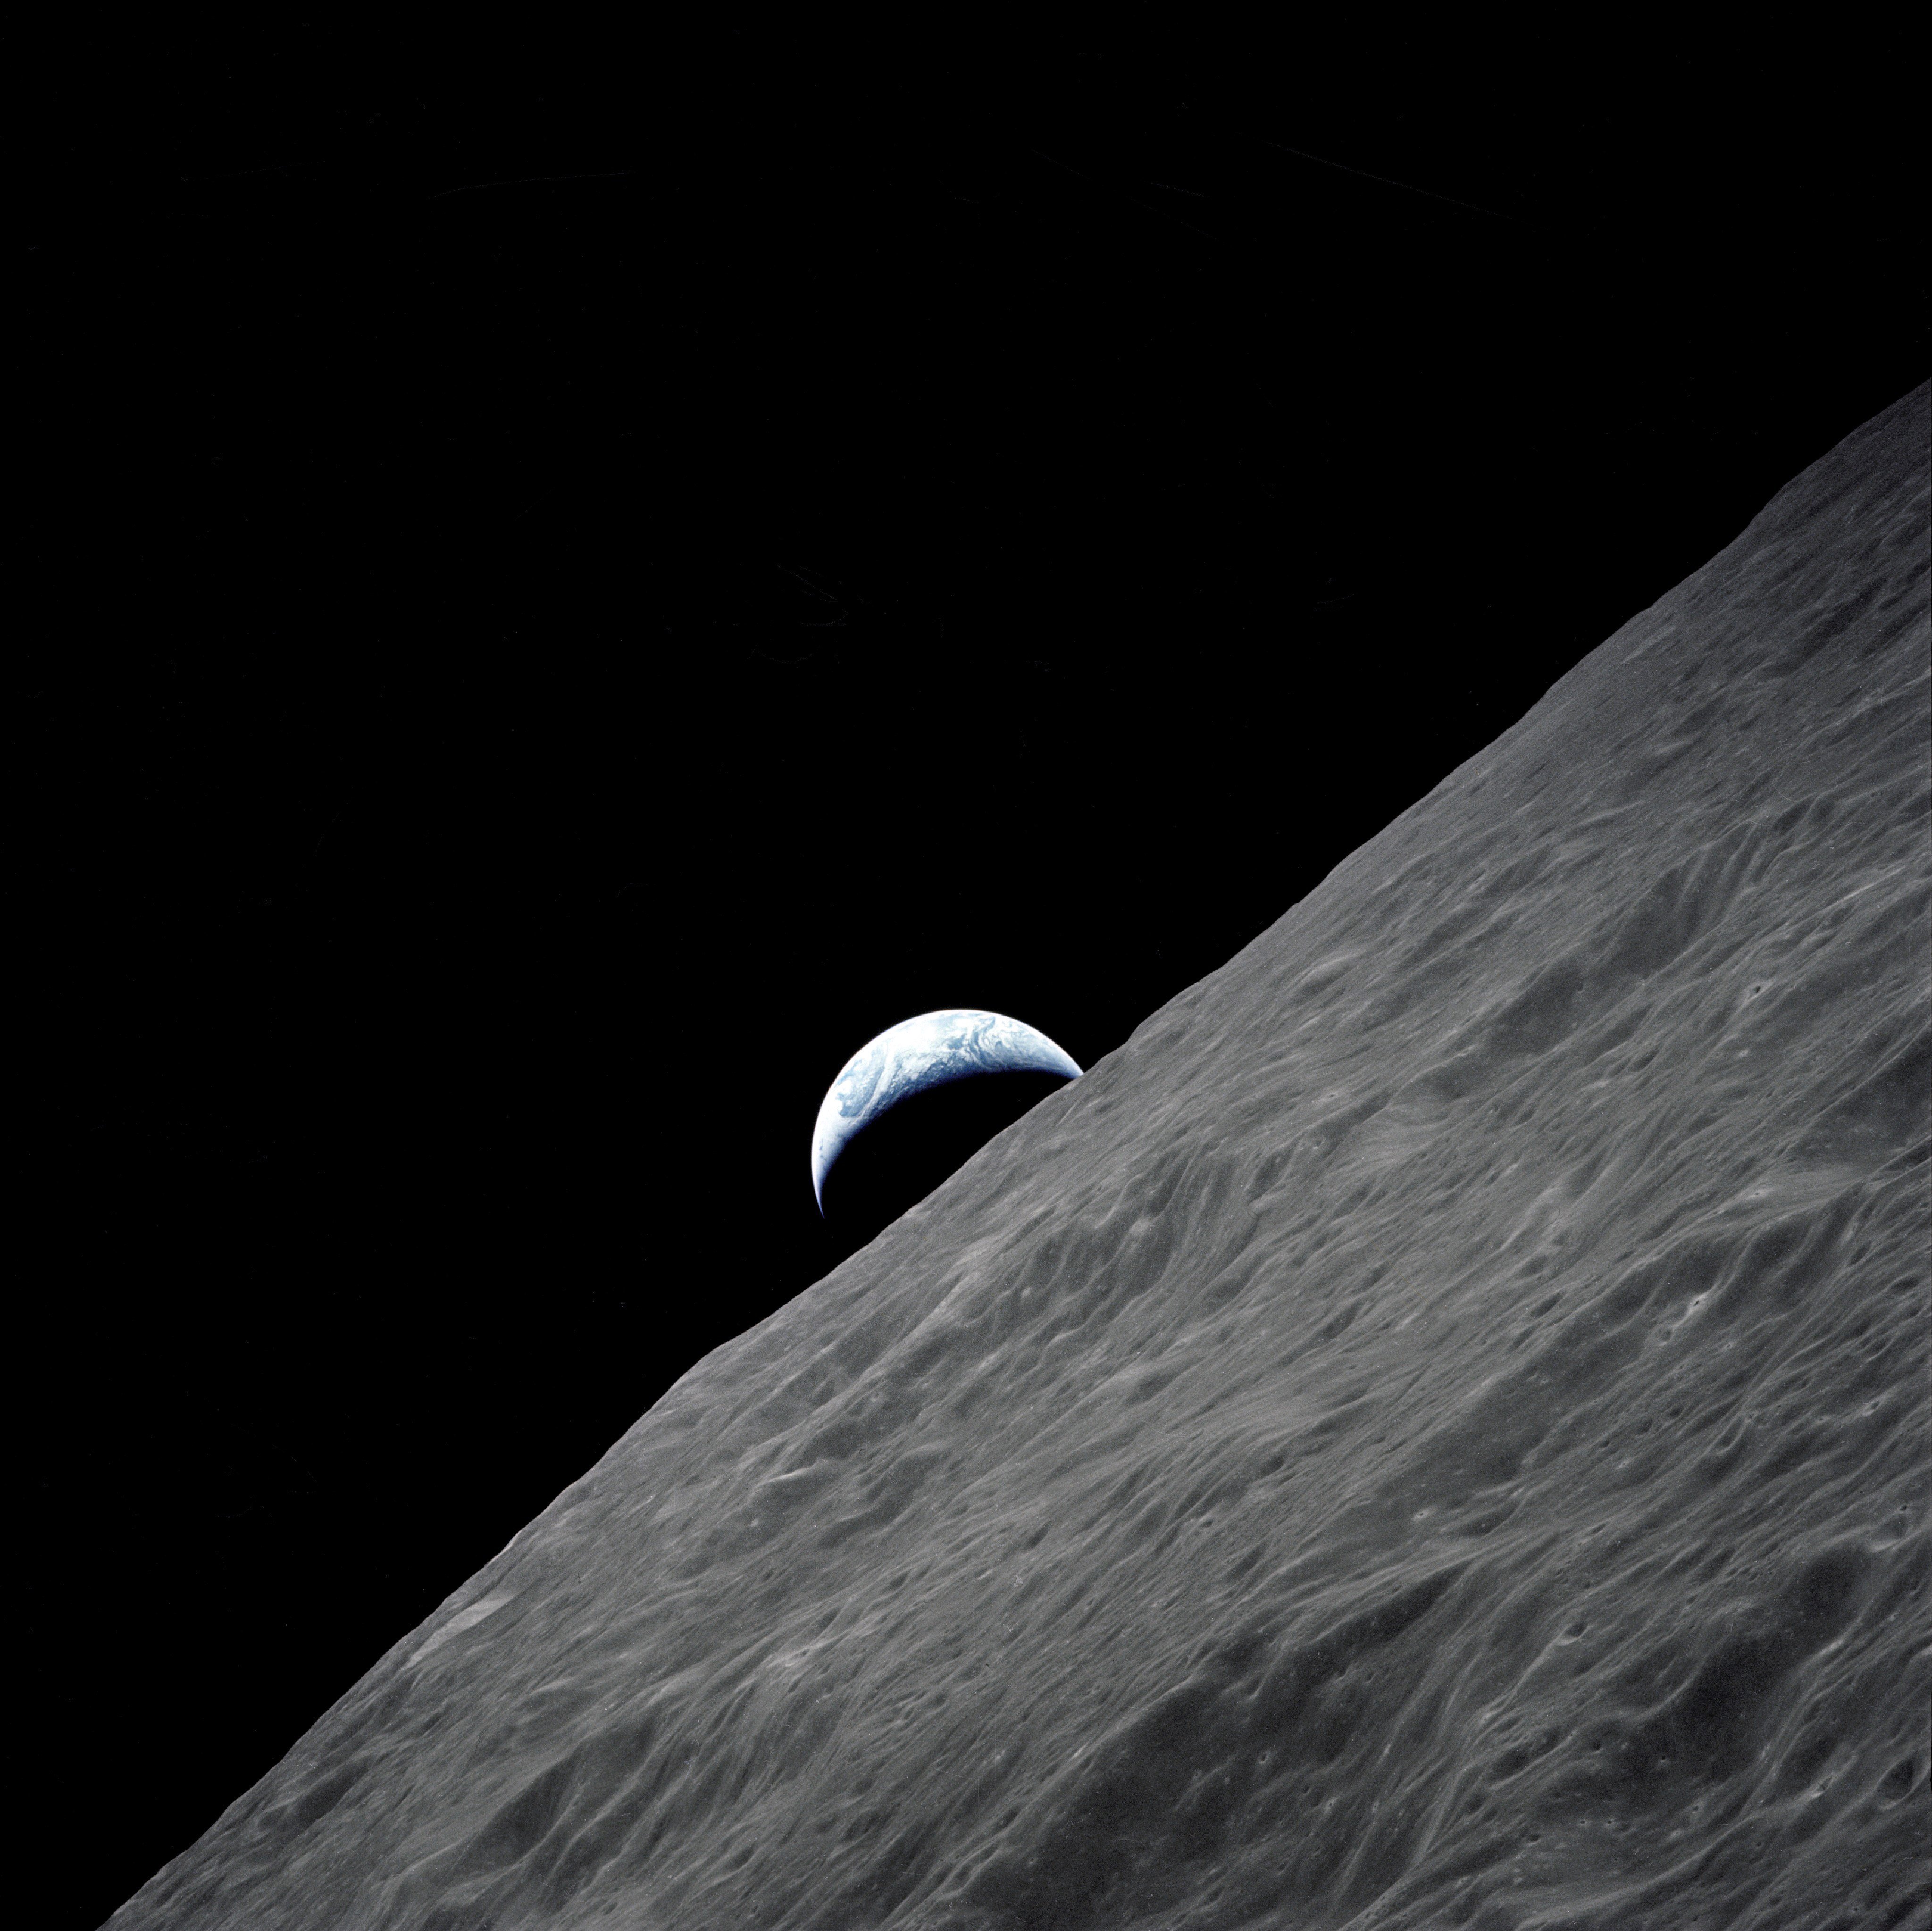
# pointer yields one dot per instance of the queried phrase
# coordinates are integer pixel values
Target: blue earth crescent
(917, 1054)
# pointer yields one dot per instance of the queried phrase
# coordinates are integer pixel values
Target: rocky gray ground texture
(1432, 1430)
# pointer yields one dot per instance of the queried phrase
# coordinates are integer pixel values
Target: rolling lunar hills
(1431, 1431)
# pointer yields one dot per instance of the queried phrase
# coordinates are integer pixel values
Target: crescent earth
(917, 1054)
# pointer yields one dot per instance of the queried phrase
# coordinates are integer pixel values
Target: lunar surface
(914, 1056)
(1431, 1431)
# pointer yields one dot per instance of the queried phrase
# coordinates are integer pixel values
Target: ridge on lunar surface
(915, 1056)
(1430, 1432)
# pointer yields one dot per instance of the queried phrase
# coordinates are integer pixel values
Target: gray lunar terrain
(1431, 1431)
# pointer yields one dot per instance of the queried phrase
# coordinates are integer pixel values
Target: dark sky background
(569, 586)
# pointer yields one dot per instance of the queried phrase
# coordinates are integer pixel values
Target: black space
(569, 586)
